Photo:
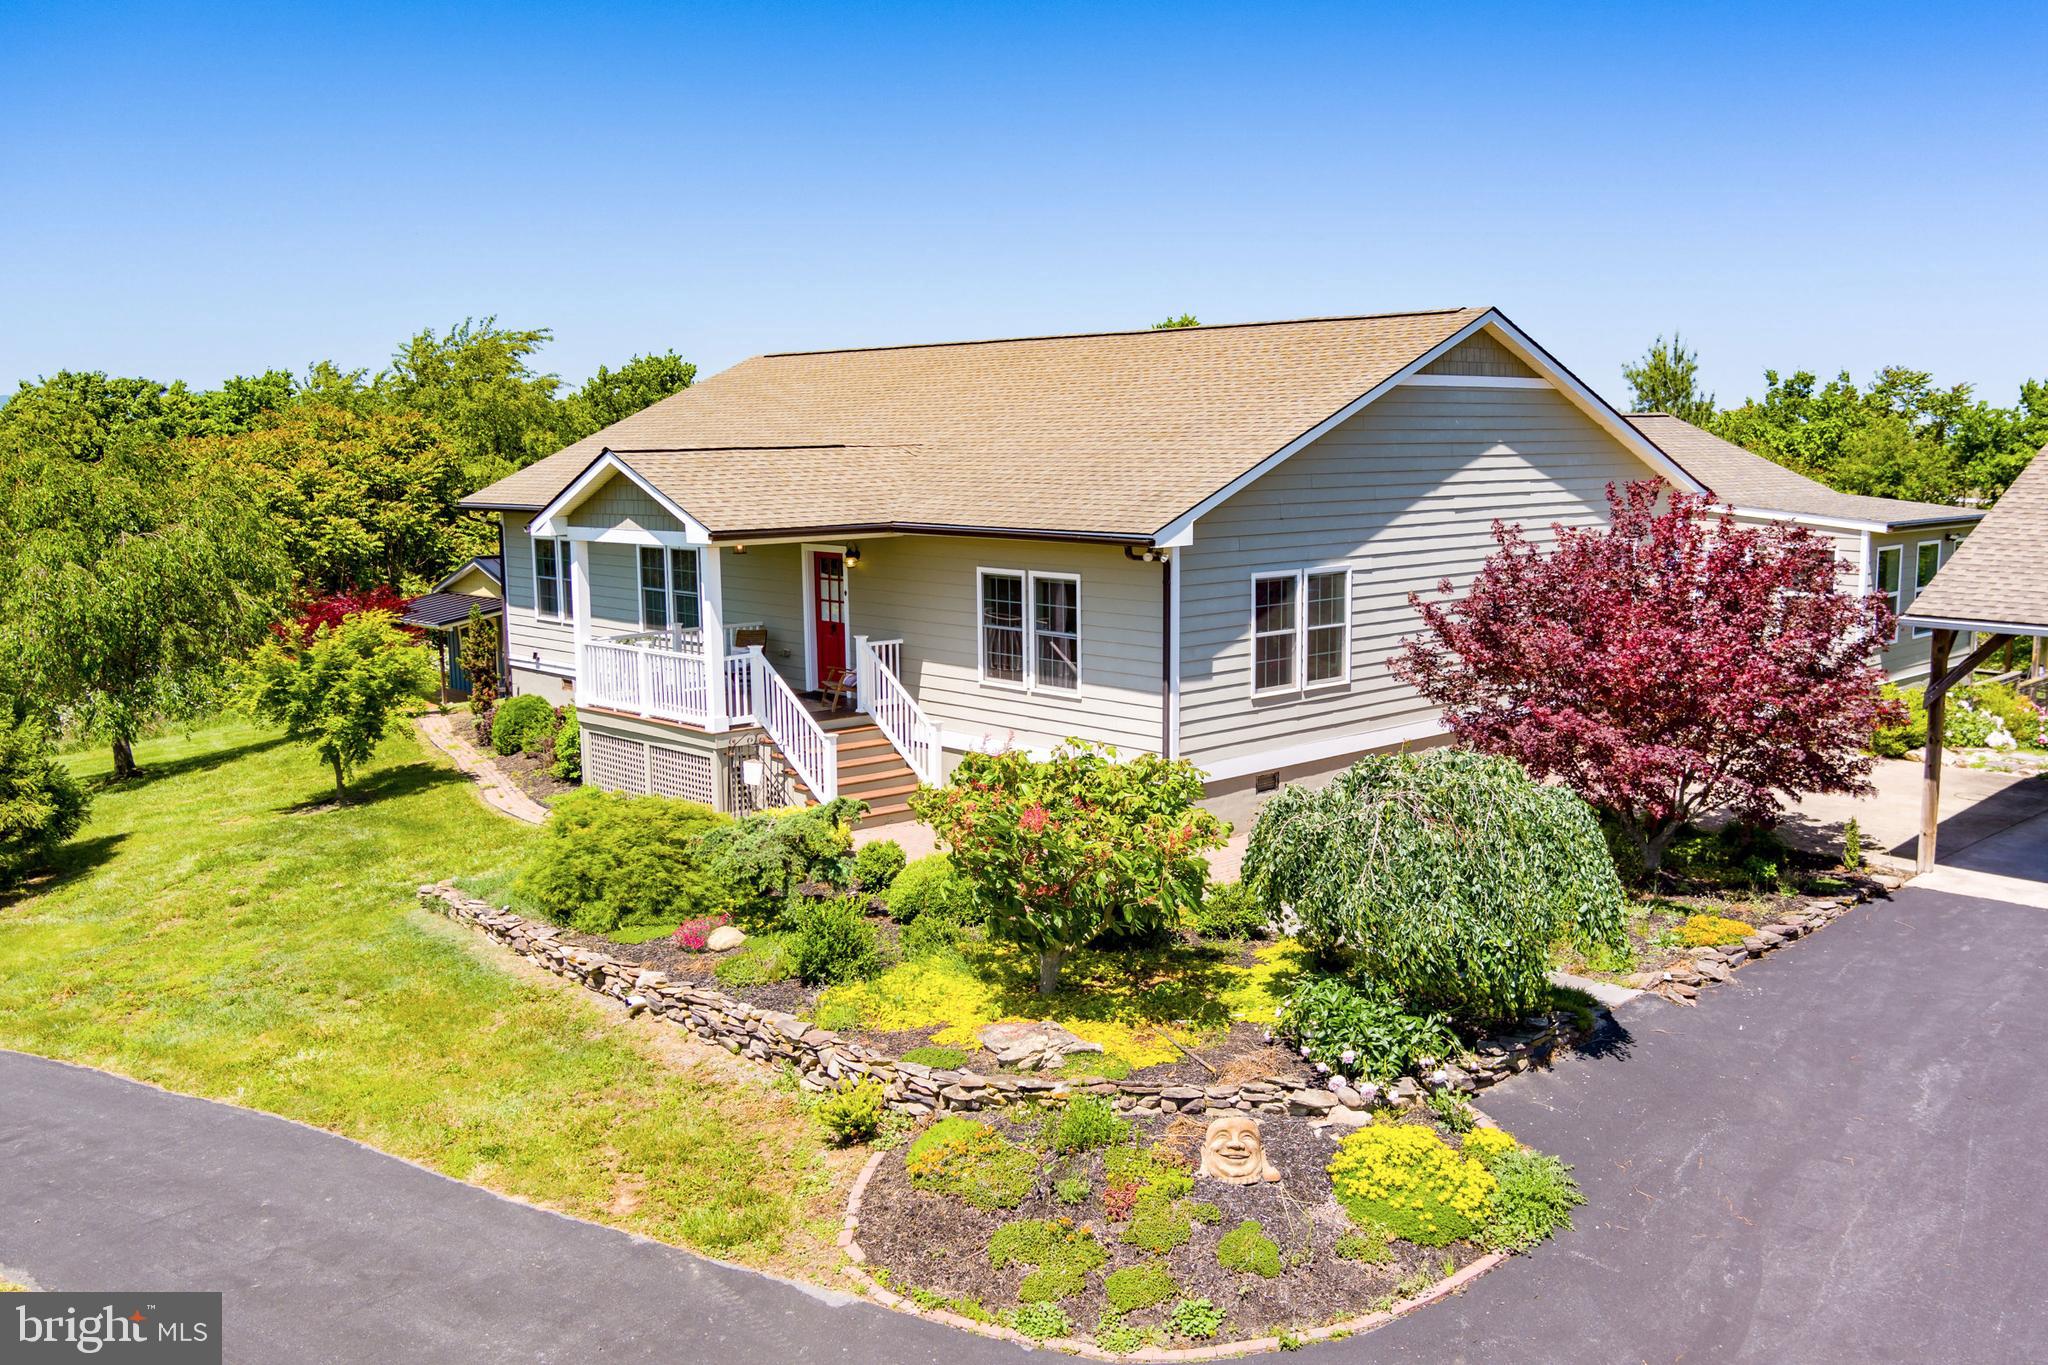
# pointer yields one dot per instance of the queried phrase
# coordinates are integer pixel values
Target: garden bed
(1187, 1261)
(530, 774)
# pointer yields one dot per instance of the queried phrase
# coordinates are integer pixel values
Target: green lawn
(220, 929)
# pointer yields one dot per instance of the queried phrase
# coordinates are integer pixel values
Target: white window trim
(565, 605)
(1898, 593)
(668, 569)
(1031, 581)
(1940, 554)
(1029, 630)
(1301, 686)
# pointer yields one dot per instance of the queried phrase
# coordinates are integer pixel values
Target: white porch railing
(877, 668)
(648, 675)
(809, 746)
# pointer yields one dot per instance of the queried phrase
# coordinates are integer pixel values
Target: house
(1197, 542)
(479, 585)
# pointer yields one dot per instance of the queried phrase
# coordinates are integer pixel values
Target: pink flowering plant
(1664, 666)
(1064, 848)
(694, 935)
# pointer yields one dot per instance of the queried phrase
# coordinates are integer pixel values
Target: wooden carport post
(1930, 782)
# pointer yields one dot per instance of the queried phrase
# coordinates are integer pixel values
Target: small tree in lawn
(339, 689)
(479, 658)
(41, 803)
(1665, 666)
(1061, 849)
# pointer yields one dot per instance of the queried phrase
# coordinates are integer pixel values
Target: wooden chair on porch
(836, 685)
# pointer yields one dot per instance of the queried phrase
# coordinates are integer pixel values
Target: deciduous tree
(1664, 666)
(1667, 379)
(339, 690)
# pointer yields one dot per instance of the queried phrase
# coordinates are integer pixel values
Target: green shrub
(1737, 855)
(853, 1113)
(1073, 1189)
(1359, 1028)
(1403, 1178)
(1367, 1246)
(1247, 1248)
(568, 766)
(2019, 715)
(929, 936)
(1159, 1223)
(1083, 1124)
(1041, 1321)
(830, 942)
(1448, 874)
(521, 722)
(765, 856)
(1196, 1318)
(970, 1160)
(1139, 1286)
(1453, 1111)
(1852, 845)
(604, 861)
(1966, 725)
(944, 1058)
(41, 803)
(1535, 1198)
(876, 865)
(1231, 910)
(1896, 741)
(761, 960)
(930, 888)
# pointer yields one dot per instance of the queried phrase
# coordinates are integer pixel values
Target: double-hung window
(1301, 630)
(1030, 628)
(1926, 564)
(668, 589)
(551, 597)
(1890, 581)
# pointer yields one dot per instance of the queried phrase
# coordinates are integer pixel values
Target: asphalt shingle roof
(1999, 577)
(1113, 434)
(438, 609)
(1743, 479)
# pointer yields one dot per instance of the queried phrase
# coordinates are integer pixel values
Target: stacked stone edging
(1706, 966)
(824, 1059)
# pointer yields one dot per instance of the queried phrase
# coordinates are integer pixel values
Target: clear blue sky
(202, 192)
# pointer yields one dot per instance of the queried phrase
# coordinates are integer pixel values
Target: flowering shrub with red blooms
(330, 609)
(1665, 666)
(694, 935)
(1062, 849)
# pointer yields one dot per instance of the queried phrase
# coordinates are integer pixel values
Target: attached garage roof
(1743, 479)
(1112, 434)
(1998, 579)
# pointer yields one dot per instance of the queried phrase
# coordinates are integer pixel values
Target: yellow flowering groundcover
(1712, 931)
(1406, 1179)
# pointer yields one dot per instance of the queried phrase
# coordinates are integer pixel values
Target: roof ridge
(1125, 332)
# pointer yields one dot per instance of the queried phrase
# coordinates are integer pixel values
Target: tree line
(150, 532)
(1902, 436)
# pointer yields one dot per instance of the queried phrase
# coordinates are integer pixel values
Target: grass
(220, 928)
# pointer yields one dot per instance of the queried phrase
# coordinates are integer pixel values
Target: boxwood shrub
(605, 861)
(520, 724)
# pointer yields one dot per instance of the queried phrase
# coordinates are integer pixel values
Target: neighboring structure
(478, 585)
(1197, 542)
(1995, 588)
(1887, 546)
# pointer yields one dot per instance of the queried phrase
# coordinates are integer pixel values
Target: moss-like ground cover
(220, 928)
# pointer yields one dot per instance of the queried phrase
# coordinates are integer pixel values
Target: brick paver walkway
(451, 735)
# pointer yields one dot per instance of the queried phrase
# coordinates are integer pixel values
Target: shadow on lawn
(72, 861)
(147, 773)
(386, 784)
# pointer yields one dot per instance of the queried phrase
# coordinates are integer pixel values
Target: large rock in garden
(724, 938)
(1032, 1047)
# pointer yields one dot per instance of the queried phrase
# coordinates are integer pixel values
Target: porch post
(1930, 781)
(579, 599)
(711, 623)
(863, 674)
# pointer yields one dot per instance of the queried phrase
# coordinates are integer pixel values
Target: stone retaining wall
(823, 1059)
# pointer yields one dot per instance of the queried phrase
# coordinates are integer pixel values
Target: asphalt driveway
(1834, 1159)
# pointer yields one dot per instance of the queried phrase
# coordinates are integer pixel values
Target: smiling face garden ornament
(1232, 1152)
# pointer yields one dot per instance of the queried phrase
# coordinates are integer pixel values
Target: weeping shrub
(1447, 875)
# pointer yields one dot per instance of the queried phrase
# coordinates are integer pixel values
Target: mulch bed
(530, 775)
(938, 1243)
(1653, 919)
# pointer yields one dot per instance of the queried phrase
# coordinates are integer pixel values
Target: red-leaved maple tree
(1667, 665)
(331, 609)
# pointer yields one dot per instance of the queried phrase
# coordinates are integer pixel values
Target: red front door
(828, 591)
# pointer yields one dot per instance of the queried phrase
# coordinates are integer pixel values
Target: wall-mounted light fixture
(852, 555)
(739, 549)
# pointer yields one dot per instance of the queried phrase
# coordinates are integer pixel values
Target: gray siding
(923, 589)
(525, 636)
(765, 586)
(1404, 493)
(1480, 354)
(620, 503)
(1907, 659)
